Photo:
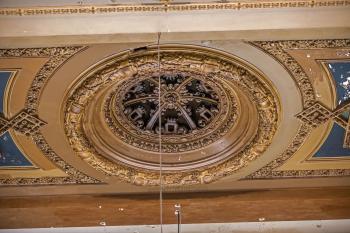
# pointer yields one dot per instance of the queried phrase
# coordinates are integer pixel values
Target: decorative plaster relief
(314, 113)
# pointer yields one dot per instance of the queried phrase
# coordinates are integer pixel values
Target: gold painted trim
(30, 173)
(9, 84)
(175, 7)
(16, 168)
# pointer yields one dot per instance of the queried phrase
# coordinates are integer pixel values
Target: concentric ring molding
(240, 139)
(225, 109)
(242, 130)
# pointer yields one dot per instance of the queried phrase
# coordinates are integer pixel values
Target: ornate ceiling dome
(193, 110)
(217, 114)
(187, 104)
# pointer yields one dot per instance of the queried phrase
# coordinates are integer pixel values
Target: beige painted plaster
(25, 68)
(253, 24)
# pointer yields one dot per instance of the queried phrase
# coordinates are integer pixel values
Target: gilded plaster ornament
(24, 123)
(206, 99)
(161, 7)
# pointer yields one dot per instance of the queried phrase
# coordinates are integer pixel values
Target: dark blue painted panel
(10, 155)
(341, 74)
(4, 78)
(346, 114)
(333, 146)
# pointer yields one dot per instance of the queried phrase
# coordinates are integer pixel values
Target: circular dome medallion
(190, 108)
(217, 114)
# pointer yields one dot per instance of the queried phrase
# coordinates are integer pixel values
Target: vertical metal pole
(178, 217)
(160, 141)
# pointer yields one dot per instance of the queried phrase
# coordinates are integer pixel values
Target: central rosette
(170, 98)
(186, 104)
(183, 105)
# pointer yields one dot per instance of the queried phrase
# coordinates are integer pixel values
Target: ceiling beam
(244, 206)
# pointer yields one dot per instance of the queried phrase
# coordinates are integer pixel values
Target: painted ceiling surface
(341, 74)
(333, 146)
(10, 154)
(94, 114)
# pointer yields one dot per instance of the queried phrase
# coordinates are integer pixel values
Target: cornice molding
(169, 7)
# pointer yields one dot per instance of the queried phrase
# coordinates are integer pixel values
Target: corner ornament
(318, 114)
(24, 122)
